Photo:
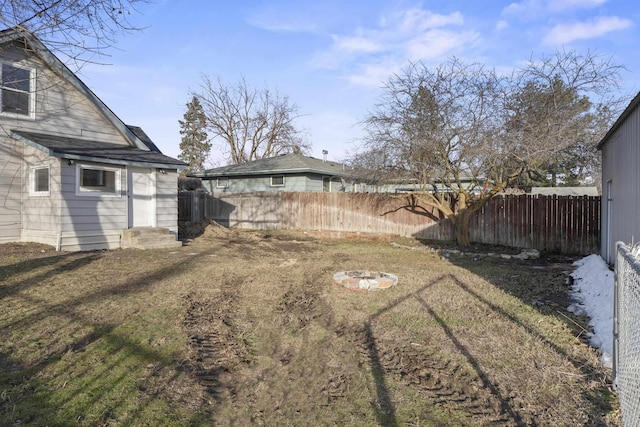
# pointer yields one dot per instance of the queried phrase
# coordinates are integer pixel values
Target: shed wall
(621, 174)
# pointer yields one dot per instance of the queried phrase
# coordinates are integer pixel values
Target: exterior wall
(250, 184)
(167, 200)
(620, 173)
(40, 213)
(292, 183)
(11, 181)
(59, 108)
(91, 222)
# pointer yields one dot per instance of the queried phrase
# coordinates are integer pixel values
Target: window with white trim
(222, 182)
(277, 181)
(39, 177)
(16, 90)
(97, 181)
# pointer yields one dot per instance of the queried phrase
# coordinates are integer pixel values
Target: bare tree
(559, 109)
(77, 29)
(465, 133)
(248, 123)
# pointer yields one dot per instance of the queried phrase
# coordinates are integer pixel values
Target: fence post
(616, 293)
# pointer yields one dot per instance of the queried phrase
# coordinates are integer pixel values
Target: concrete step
(148, 238)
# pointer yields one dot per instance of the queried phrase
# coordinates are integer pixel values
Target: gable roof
(81, 149)
(283, 164)
(626, 113)
(21, 34)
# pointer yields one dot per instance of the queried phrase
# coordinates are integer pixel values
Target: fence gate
(626, 333)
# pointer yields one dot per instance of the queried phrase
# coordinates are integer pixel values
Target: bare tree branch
(250, 124)
(76, 29)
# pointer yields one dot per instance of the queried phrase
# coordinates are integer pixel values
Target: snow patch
(593, 285)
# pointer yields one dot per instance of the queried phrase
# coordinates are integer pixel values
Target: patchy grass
(241, 328)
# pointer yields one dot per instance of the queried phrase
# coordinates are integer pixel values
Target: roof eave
(63, 155)
(626, 113)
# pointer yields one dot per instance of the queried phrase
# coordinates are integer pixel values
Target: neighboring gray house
(72, 174)
(621, 181)
(287, 172)
(565, 191)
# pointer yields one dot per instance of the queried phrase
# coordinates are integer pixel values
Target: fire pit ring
(365, 279)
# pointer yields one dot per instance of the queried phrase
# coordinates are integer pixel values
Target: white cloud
(375, 74)
(534, 9)
(437, 43)
(372, 54)
(561, 5)
(292, 18)
(502, 25)
(417, 20)
(356, 44)
(525, 9)
(567, 33)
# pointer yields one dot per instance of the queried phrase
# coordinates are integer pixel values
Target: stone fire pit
(365, 279)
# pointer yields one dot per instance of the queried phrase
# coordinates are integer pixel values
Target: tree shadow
(510, 410)
(29, 391)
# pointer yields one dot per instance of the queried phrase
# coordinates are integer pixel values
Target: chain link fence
(626, 332)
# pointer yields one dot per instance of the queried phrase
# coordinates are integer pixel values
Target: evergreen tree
(194, 145)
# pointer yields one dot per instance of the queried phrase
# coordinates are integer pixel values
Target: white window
(16, 94)
(39, 181)
(222, 182)
(97, 181)
(277, 181)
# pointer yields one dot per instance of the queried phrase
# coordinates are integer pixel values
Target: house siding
(91, 222)
(292, 183)
(40, 214)
(11, 182)
(59, 108)
(250, 184)
(620, 160)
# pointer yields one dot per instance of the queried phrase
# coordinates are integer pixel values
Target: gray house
(621, 181)
(72, 174)
(287, 172)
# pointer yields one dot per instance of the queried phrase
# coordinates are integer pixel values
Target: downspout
(59, 241)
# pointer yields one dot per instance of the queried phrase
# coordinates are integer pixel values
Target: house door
(141, 203)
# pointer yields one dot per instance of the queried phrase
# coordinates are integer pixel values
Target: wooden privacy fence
(563, 224)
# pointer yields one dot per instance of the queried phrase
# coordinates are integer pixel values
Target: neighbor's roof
(86, 150)
(566, 191)
(21, 34)
(283, 164)
(626, 113)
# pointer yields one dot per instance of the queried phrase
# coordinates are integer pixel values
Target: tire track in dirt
(215, 352)
(443, 382)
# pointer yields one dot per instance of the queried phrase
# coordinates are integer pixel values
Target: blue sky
(332, 57)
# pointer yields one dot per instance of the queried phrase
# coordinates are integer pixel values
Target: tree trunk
(461, 222)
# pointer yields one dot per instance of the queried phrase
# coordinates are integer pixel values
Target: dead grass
(242, 328)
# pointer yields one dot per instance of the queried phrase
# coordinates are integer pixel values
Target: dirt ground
(261, 335)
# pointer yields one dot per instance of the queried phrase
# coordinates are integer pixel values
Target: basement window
(222, 182)
(39, 181)
(277, 181)
(97, 181)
